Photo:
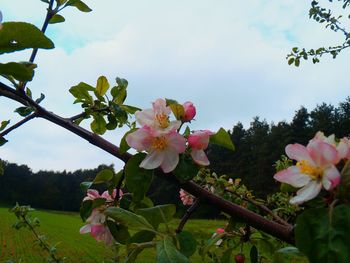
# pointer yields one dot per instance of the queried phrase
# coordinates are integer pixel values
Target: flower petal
(307, 193)
(140, 140)
(331, 178)
(152, 160)
(85, 229)
(170, 161)
(200, 157)
(145, 117)
(293, 177)
(343, 148)
(176, 142)
(298, 152)
(322, 153)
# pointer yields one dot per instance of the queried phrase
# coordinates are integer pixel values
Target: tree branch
(282, 232)
(18, 124)
(187, 216)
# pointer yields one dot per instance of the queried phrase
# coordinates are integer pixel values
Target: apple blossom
(92, 194)
(186, 198)
(190, 111)
(343, 147)
(97, 228)
(157, 117)
(220, 231)
(315, 168)
(198, 141)
(163, 148)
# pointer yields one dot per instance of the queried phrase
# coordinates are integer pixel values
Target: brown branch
(187, 216)
(282, 232)
(18, 124)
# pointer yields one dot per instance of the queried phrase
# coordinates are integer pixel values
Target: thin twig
(261, 207)
(187, 215)
(18, 124)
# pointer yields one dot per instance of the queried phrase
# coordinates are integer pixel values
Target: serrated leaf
(57, 19)
(103, 176)
(18, 71)
(137, 179)
(102, 86)
(15, 36)
(223, 139)
(79, 4)
(128, 218)
(167, 252)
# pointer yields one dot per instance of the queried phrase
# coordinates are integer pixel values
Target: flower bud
(190, 111)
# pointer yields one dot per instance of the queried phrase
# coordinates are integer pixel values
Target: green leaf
(122, 82)
(142, 237)
(188, 243)
(178, 111)
(18, 71)
(290, 61)
(85, 209)
(323, 234)
(137, 179)
(79, 4)
(167, 252)
(123, 146)
(186, 168)
(24, 111)
(254, 254)
(42, 97)
(119, 232)
(15, 36)
(103, 176)
(130, 109)
(57, 19)
(119, 94)
(4, 124)
(226, 256)
(102, 86)
(85, 185)
(3, 141)
(222, 138)
(81, 92)
(158, 214)
(128, 218)
(98, 125)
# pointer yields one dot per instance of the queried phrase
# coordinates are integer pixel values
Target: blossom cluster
(160, 137)
(186, 198)
(97, 220)
(315, 166)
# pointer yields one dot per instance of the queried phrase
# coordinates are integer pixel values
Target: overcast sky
(226, 56)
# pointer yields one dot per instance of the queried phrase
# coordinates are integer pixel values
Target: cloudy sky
(226, 56)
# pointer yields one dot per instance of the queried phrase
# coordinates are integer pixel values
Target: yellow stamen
(163, 120)
(159, 143)
(314, 172)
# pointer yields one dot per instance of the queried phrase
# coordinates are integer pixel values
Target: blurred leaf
(123, 146)
(4, 124)
(322, 234)
(79, 4)
(128, 218)
(56, 19)
(3, 141)
(85, 209)
(130, 109)
(19, 71)
(42, 97)
(119, 232)
(98, 125)
(167, 252)
(254, 254)
(15, 36)
(85, 185)
(137, 179)
(186, 168)
(188, 243)
(142, 236)
(103, 176)
(158, 214)
(102, 86)
(222, 138)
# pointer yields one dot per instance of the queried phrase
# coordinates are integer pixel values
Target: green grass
(18, 245)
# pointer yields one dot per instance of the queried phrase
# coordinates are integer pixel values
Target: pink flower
(157, 117)
(110, 198)
(220, 231)
(163, 148)
(198, 141)
(93, 194)
(190, 111)
(343, 147)
(186, 198)
(96, 227)
(315, 169)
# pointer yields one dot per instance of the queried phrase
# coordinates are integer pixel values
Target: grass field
(64, 228)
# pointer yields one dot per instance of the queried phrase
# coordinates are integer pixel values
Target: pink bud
(220, 231)
(190, 111)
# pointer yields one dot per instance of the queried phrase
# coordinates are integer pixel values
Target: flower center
(314, 172)
(159, 143)
(163, 120)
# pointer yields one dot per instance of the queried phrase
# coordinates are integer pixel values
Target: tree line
(257, 149)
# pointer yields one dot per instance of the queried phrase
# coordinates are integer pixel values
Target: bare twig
(18, 124)
(187, 216)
